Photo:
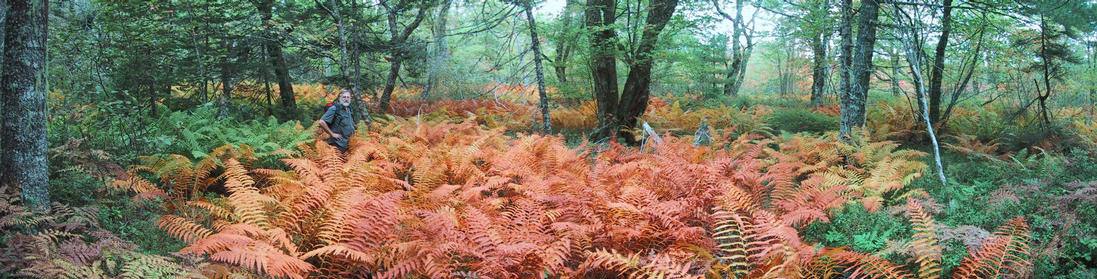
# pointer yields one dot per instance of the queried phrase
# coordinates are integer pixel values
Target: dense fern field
(437, 195)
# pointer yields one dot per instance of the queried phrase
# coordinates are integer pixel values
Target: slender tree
(272, 44)
(23, 161)
(398, 36)
(742, 45)
(535, 44)
(938, 68)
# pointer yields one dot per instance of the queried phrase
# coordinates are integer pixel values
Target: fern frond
(262, 257)
(868, 266)
(927, 250)
(732, 239)
(1004, 254)
(182, 229)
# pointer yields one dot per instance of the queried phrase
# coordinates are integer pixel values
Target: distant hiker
(338, 122)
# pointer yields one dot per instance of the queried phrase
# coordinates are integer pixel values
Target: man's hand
(336, 136)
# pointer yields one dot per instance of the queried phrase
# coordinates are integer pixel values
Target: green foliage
(116, 212)
(855, 227)
(1054, 191)
(195, 133)
(796, 121)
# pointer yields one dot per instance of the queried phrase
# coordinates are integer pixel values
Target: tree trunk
(1047, 72)
(845, 55)
(935, 73)
(818, 69)
(600, 16)
(440, 50)
(908, 36)
(853, 109)
(390, 85)
(535, 43)
(23, 161)
(278, 62)
(895, 90)
(227, 83)
(740, 53)
(634, 98)
(564, 46)
(395, 57)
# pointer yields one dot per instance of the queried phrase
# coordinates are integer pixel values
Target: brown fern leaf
(248, 204)
(262, 257)
(868, 266)
(183, 229)
(927, 250)
(732, 239)
(1004, 254)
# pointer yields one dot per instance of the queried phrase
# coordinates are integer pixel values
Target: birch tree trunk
(913, 42)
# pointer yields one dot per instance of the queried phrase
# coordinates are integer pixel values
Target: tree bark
(277, 61)
(23, 162)
(845, 54)
(853, 108)
(600, 16)
(818, 69)
(535, 43)
(634, 98)
(935, 73)
(228, 84)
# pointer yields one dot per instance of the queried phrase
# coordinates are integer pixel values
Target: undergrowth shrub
(1053, 191)
(199, 131)
(68, 242)
(796, 121)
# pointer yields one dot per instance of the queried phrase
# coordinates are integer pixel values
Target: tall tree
(634, 97)
(939, 63)
(819, 34)
(23, 161)
(565, 38)
(600, 16)
(845, 50)
(740, 50)
(398, 36)
(535, 44)
(621, 114)
(853, 101)
(1057, 20)
(272, 43)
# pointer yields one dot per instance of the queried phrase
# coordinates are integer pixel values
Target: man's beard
(345, 104)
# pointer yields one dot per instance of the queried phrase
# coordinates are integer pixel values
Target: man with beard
(338, 122)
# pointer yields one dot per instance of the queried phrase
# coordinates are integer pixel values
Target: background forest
(550, 139)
